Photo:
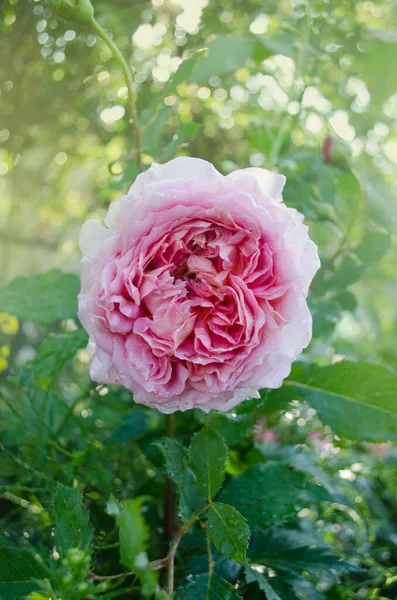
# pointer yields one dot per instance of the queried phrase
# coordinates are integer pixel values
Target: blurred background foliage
(278, 79)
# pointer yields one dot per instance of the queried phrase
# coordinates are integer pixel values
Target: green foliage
(133, 536)
(267, 494)
(228, 530)
(20, 573)
(210, 587)
(208, 453)
(226, 53)
(268, 85)
(72, 524)
(178, 470)
(42, 298)
(358, 400)
(53, 353)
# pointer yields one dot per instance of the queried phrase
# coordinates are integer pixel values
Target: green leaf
(374, 69)
(229, 531)
(292, 552)
(208, 453)
(382, 203)
(266, 494)
(230, 426)
(42, 298)
(133, 536)
(207, 587)
(226, 53)
(373, 247)
(20, 573)
(186, 132)
(72, 523)
(178, 470)
(280, 43)
(133, 532)
(357, 400)
(255, 576)
(184, 71)
(51, 356)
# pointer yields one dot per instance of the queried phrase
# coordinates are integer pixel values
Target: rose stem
(169, 497)
(118, 55)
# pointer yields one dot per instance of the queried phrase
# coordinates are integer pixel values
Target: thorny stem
(118, 55)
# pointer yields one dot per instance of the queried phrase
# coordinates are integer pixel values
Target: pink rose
(194, 293)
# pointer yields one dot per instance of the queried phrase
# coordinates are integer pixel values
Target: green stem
(169, 495)
(118, 55)
(174, 547)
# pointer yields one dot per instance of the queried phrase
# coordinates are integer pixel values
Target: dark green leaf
(208, 587)
(229, 531)
(20, 573)
(51, 356)
(357, 400)
(208, 453)
(266, 494)
(292, 552)
(43, 298)
(178, 470)
(72, 524)
(253, 575)
(226, 53)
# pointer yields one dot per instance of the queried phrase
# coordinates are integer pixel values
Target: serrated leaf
(357, 400)
(208, 453)
(208, 587)
(20, 573)
(72, 523)
(266, 494)
(228, 531)
(177, 469)
(51, 356)
(42, 298)
(225, 53)
(255, 576)
(292, 552)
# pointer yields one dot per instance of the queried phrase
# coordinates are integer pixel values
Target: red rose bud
(337, 153)
(79, 11)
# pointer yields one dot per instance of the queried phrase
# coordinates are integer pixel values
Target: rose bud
(337, 153)
(194, 293)
(79, 11)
